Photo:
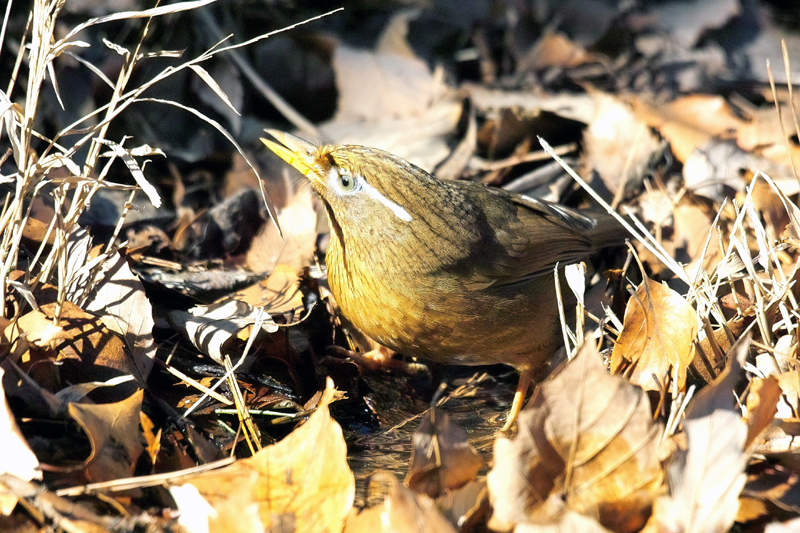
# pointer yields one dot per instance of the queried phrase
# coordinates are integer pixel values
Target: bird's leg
(519, 397)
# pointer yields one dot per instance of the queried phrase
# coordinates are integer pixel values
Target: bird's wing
(530, 237)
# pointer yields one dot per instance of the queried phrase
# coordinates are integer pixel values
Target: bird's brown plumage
(450, 271)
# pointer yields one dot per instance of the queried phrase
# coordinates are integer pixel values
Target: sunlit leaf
(303, 480)
(656, 336)
(586, 443)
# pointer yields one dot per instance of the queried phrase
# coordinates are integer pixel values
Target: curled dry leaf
(586, 443)
(656, 336)
(113, 430)
(35, 329)
(401, 512)
(705, 480)
(209, 327)
(442, 458)
(303, 481)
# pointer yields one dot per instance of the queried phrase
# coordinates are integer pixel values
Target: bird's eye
(347, 183)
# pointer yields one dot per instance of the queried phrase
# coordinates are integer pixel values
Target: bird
(450, 271)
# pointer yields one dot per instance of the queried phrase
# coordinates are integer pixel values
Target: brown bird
(450, 271)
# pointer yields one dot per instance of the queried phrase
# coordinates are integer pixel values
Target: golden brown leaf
(442, 458)
(113, 430)
(587, 441)
(656, 336)
(303, 480)
(762, 404)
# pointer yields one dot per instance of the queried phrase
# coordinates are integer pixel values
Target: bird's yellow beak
(293, 150)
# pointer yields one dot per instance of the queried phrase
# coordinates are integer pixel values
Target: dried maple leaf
(657, 335)
(113, 430)
(302, 481)
(586, 443)
(442, 458)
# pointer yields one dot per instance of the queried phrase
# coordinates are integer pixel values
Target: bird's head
(358, 185)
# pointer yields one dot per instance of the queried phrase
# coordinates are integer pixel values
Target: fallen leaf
(303, 480)
(401, 512)
(617, 144)
(762, 404)
(87, 349)
(118, 298)
(113, 430)
(705, 480)
(692, 224)
(554, 49)
(401, 86)
(295, 249)
(568, 522)
(442, 458)
(586, 443)
(209, 327)
(657, 335)
(17, 457)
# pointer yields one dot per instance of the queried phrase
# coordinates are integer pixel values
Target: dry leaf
(705, 479)
(209, 327)
(119, 300)
(554, 49)
(376, 85)
(569, 522)
(772, 484)
(586, 441)
(113, 430)
(35, 329)
(762, 404)
(657, 335)
(401, 512)
(692, 224)
(89, 351)
(296, 248)
(17, 458)
(303, 480)
(617, 144)
(442, 458)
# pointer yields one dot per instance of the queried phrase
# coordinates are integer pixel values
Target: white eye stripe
(372, 192)
(399, 212)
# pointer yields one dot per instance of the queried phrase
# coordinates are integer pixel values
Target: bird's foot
(378, 358)
(519, 398)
